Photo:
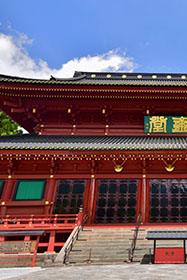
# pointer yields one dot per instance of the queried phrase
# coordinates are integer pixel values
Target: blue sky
(39, 38)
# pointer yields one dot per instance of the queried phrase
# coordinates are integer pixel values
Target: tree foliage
(8, 126)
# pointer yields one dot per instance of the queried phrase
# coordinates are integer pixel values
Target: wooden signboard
(165, 124)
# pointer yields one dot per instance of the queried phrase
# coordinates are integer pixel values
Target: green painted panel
(30, 190)
(165, 124)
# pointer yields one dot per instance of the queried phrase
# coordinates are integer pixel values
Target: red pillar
(6, 195)
(143, 206)
(91, 198)
(143, 198)
(49, 194)
(51, 244)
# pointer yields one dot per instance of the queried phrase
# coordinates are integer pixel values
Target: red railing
(44, 222)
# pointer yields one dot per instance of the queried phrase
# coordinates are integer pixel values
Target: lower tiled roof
(166, 234)
(59, 142)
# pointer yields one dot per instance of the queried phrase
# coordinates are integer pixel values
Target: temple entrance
(168, 200)
(116, 201)
(69, 196)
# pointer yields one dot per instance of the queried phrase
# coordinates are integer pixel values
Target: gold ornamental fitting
(3, 203)
(169, 168)
(46, 202)
(118, 168)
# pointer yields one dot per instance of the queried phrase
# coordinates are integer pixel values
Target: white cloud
(15, 60)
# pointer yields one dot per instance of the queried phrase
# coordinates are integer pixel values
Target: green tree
(8, 126)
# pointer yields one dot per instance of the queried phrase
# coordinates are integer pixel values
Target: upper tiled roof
(89, 143)
(107, 79)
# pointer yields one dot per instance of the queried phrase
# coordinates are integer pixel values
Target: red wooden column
(6, 194)
(49, 195)
(90, 204)
(53, 189)
(143, 203)
(143, 198)
(51, 242)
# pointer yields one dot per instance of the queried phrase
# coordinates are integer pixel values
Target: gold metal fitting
(169, 166)
(119, 167)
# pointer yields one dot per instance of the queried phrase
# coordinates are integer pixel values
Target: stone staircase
(102, 246)
(110, 245)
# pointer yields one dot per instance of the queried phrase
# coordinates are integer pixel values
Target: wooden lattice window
(69, 196)
(116, 201)
(168, 200)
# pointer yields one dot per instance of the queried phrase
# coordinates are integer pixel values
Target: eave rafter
(82, 92)
(93, 155)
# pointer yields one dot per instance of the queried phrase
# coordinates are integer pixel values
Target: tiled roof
(167, 234)
(20, 232)
(89, 143)
(107, 79)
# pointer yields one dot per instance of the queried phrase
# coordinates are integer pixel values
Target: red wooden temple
(90, 145)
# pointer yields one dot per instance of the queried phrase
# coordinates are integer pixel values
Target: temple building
(112, 143)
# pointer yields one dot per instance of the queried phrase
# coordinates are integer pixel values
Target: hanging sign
(165, 124)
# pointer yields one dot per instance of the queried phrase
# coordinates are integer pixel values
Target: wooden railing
(45, 222)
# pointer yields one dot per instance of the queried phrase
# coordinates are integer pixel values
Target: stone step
(108, 237)
(109, 260)
(120, 241)
(99, 246)
(99, 253)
